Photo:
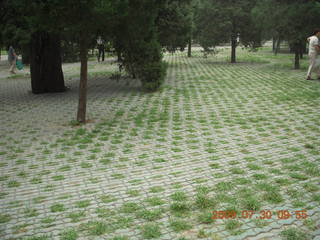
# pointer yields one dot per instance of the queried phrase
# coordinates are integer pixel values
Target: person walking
(314, 49)
(12, 57)
(100, 44)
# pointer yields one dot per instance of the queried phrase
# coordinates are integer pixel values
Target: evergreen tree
(292, 20)
(83, 19)
(308, 13)
(269, 15)
(34, 36)
(221, 21)
(137, 43)
(132, 26)
(174, 24)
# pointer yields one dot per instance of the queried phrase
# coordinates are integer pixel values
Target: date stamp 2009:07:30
(263, 214)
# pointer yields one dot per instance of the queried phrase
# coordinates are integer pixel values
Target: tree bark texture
(302, 49)
(277, 46)
(297, 51)
(189, 47)
(82, 105)
(233, 48)
(45, 63)
(273, 44)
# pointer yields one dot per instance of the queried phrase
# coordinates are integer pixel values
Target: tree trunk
(304, 48)
(82, 105)
(301, 46)
(118, 56)
(273, 44)
(189, 46)
(45, 63)
(301, 54)
(278, 46)
(233, 49)
(292, 48)
(297, 58)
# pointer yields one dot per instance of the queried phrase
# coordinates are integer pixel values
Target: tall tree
(132, 24)
(83, 19)
(174, 23)
(138, 46)
(271, 27)
(45, 63)
(308, 13)
(193, 6)
(45, 55)
(221, 21)
(34, 35)
(284, 25)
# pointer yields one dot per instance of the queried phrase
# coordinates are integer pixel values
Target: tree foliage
(137, 43)
(174, 23)
(292, 21)
(221, 21)
(129, 24)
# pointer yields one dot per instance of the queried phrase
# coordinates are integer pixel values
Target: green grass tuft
(151, 231)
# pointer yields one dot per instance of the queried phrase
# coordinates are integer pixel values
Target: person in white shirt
(314, 49)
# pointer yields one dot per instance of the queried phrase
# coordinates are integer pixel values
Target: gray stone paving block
(317, 232)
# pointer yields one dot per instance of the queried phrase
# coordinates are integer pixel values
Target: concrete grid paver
(213, 125)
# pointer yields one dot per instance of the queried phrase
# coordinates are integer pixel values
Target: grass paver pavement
(217, 136)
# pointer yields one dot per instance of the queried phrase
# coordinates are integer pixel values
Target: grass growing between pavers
(216, 137)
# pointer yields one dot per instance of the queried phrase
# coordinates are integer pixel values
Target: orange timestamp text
(263, 214)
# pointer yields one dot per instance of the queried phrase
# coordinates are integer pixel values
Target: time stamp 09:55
(263, 214)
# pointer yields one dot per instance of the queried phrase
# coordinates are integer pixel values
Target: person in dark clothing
(101, 47)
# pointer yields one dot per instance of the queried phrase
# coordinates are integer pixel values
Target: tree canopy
(174, 23)
(139, 30)
(222, 21)
(292, 21)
